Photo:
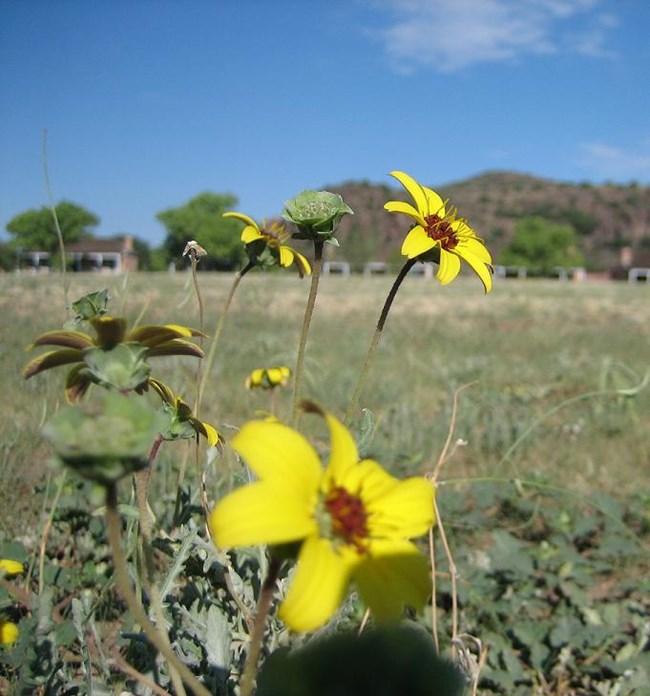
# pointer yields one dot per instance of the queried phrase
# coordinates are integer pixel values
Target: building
(94, 255)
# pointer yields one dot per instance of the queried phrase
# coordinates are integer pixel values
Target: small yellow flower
(182, 416)
(270, 239)
(8, 632)
(354, 521)
(9, 567)
(438, 230)
(268, 377)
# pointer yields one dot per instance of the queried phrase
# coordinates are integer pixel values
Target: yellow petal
(278, 375)
(301, 264)
(154, 334)
(343, 453)
(251, 234)
(394, 574)
(255, 378)
(67, 339)
(243, 218)
(435, 204)
(417, 242)
(449, 267)
(163, 391)
(275, 452)
(318, 585)
(53, 358)
(286, 256)
(403, 511)
(8, 632)
(405, 209)
(176, 346)
(475, 247)
(261, 513)
(478, 266)
(368, 480)
(9, 567)
(211, 434)
(416, 191)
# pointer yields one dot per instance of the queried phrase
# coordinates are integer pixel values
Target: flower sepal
(123, 367)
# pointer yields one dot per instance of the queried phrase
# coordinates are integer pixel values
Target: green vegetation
(542, 246)
(200, 219)
(544, 499)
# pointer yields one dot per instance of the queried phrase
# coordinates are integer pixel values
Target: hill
(607, 217)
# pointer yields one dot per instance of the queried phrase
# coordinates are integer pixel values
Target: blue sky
(148, 103)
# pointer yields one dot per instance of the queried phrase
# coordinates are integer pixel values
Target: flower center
(348, 516)
(276, 234)
(440, 230)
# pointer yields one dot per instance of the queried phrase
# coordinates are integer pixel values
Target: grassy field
(552, 417)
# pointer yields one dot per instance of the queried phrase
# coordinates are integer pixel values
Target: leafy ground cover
(545, 499)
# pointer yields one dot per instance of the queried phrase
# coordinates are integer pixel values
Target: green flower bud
(107, 439)
(316, 214)
(123, 367)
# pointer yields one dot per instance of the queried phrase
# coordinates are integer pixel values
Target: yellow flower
(182, 417)
(438, 230)
(354, 521)
(266, 245)
(268, 377)
(8, 632)
(9, 567)
(111, 332)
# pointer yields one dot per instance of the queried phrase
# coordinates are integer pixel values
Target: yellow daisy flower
(354, 521)
(268, 377)
(152, 340)
(438, 229)
(258, 241)
(8, 632)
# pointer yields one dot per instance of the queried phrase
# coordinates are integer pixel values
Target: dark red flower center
(349, 518)
(440, 230)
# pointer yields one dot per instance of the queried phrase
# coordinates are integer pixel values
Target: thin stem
(141, 480)
(57, 227)
(114, 530)
(375, 339)
(257, 636)
(453, 573)
(309, 312)
(209, 361)
(434, 611)
(46, 531)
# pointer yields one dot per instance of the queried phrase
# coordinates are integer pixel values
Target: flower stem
(375, 339)
(309, 312)
(257, 636)
(114, 530)
(209, 361)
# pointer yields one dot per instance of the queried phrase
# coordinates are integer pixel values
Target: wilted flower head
(265, 245)
(183, 423)
(316, 214)
(194, 250)
(439, 235)
(268, 377)
(352, 519)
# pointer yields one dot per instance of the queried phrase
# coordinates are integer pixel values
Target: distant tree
(7, 258)
(200, 219)
(34, 230)
(540, 244)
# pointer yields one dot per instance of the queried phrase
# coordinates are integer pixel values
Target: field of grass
(546, 499)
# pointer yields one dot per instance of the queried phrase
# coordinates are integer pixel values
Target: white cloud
(449, 35)
(604, 161)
